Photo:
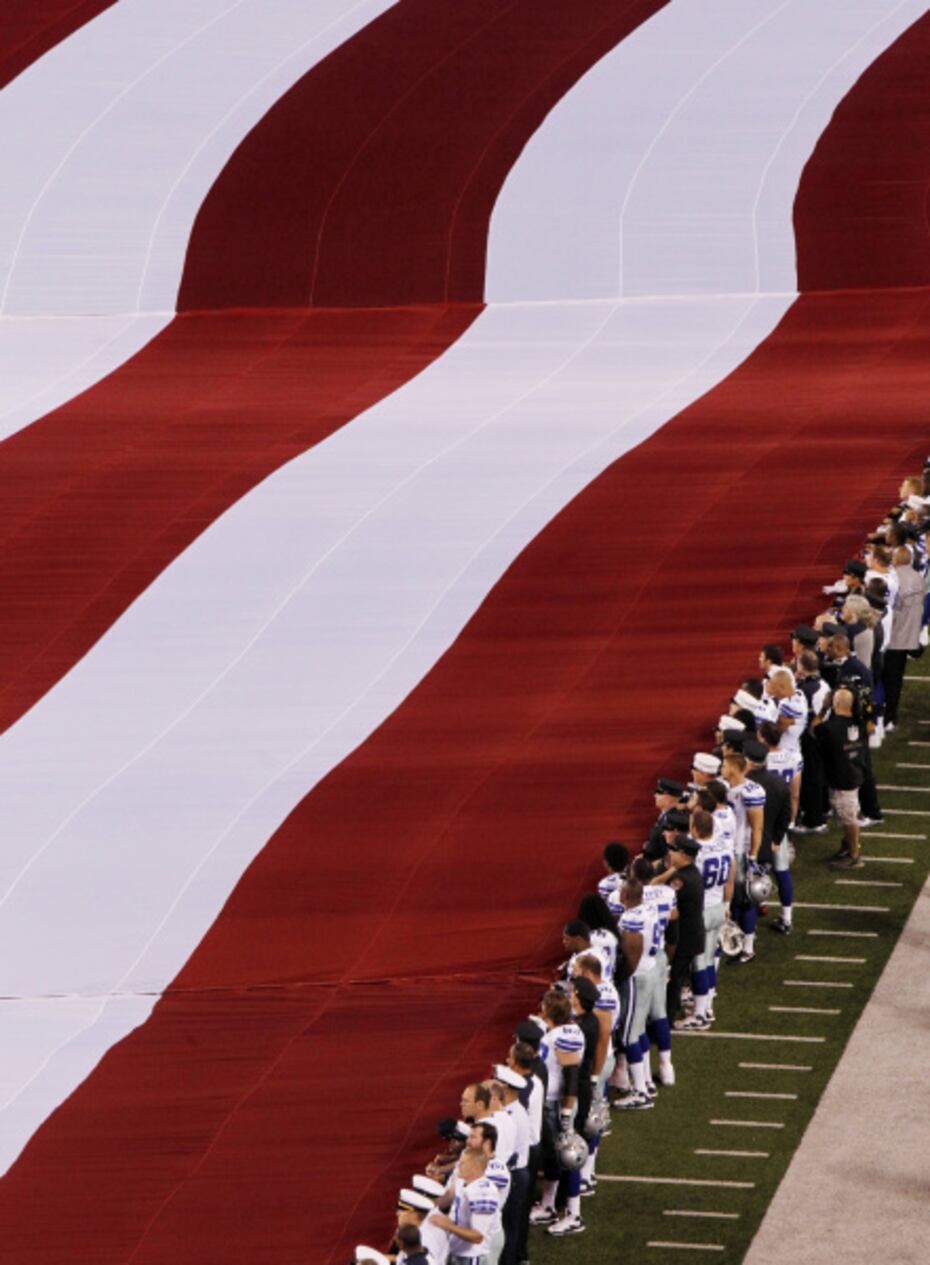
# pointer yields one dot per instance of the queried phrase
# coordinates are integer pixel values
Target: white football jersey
(663, 900)
(565, 1039)
(793, 709)
(608, 999)
(506, 1128)
(783, 761)
(715, 861)
(606, 944)
(595, 949)
(644, 919)
(747, 795)
(725, 824)
(476, 1206)
(498, 1174)
(609, 883)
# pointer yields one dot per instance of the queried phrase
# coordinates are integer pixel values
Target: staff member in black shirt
(668, 795)
(686, 878)
(842, 741)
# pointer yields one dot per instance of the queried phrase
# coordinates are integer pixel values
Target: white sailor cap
(742, 698)
(414, 1199)
(915, 502)
(370, 1256)
(427, 1185)
(730, 722)
(705, 763)
(462, 1129)
(507, 1076)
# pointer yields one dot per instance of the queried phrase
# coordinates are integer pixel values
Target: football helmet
(571, 1151)
(758, 884)
(731, 939)
(598, 1119)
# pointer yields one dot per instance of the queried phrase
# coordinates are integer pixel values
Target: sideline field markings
(748, 1124)
(816, 983)
(752, 1093)
(686, 1247)
(675, 1181)
(918, 790)
(848, 909)
(889, 860)
(866, 882)
(778, 1067)
(880, 834)
(693, 1212)
(739, 1155)
(905, 812)
(853, 935)
(812, 957)
(803, 1010)
(748, 1036)
(902, 765)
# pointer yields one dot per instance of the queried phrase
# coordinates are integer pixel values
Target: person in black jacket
(775, 821)
(668, 795)
(843, 746)
(686, 878)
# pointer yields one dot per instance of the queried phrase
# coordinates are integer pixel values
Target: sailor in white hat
(414, 1207)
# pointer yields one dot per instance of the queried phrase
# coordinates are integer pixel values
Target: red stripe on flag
(32, 27)
(453, 837)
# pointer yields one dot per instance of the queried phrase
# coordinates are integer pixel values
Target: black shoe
(782, 927)
(840, 855)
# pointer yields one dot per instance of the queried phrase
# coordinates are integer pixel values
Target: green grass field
(627, 1219)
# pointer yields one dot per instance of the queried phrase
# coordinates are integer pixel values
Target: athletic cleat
(709, 1014)
(622, 1095)
(745, 957)
(651, 1090)
(588, 1186)
(666, 1075)
(809, 830)
(635, 1102)
(848, 863)
(865, 822)
(567, 1225)
(840, 855)
(783, 928)
(542, 1214)
(694, 1023)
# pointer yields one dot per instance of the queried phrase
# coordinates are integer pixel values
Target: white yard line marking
(803, 1010)
(920, 790)
(915, 742)
(752, 1093)
(815, 983)
(693, 1212)
(750, 1036)
(889, 860)
(880, 834)
(852, 935)
(810, 957)
(866, 882)
(748, 1124)
(905, 812)
(848, 909)
(687, 1247)
(778, 1067)
(902, 765)
(748, 1155)
(675, 1181)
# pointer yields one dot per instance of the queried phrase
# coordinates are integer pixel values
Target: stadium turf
(628, 1220)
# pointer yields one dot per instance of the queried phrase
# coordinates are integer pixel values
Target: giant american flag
(409, 416)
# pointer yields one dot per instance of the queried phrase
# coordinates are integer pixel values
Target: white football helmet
(571, 1151)
(731, 939)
